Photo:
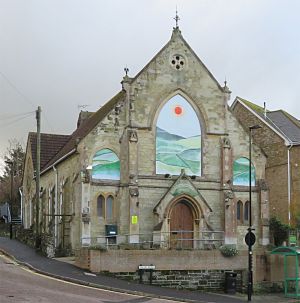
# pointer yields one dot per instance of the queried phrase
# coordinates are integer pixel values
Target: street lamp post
(10, 163)
(250, 254)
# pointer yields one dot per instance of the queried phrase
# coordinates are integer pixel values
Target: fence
(158, 240)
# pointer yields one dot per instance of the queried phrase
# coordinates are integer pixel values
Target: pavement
(66, 271)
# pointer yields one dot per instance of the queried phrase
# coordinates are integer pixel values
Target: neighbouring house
(279, 139)
(159, 174)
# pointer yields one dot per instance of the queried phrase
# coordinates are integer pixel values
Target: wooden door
(181, 226)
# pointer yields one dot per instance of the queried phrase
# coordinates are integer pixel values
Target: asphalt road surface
(18, 284)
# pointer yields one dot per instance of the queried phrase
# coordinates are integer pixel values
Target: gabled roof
(51, 144)
(177, 34)
(280, 121)
(86, 126)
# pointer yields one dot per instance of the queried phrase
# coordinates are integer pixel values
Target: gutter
(289, 147)
(21, 214)
(55, 206)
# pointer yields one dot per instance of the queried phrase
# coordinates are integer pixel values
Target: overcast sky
(60, 54)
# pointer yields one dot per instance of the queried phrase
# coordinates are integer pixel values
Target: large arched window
(106, 165)
(241, 172)
(178, 139)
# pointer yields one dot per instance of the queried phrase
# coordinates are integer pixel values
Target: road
(18, 284)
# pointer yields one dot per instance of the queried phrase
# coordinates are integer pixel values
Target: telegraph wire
(17, 90)
(16, 120)
(11, 116)
(47, 121)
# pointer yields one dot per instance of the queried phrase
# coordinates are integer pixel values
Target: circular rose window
(178, 62)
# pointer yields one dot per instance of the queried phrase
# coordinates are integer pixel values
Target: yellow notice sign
(134, 219)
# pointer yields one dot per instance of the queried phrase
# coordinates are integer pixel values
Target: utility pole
(37, 176)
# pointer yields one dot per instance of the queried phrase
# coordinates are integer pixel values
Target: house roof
(85, 127)
(287, 125)
(50, 146)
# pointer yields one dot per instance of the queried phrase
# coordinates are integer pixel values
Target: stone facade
(78, 209)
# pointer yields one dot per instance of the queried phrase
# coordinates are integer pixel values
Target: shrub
(280, 231)
(228, 250)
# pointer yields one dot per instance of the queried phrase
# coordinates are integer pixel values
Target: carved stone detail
(263, 184)
(228, 195)
(133, 137)
(134, 192)
(226, 142)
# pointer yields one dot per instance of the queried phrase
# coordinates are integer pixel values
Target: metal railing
(158, 240)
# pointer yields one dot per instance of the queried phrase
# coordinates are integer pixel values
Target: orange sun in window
(178, 110)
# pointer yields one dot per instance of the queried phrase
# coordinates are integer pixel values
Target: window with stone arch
(178, 139)
(246, 211)
(100, 206)
(105, 165)
(241, 172)
(239, 212)
(105, 207)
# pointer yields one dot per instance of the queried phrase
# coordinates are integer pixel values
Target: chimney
(265, 110)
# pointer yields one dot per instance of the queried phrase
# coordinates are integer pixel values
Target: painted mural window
(241, 172)
(178, 139)
(100, 206)
(106, 165)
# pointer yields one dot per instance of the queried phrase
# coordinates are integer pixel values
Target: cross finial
(126, 70)
(176, 18)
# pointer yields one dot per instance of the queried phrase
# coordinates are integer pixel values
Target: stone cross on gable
(176, 18)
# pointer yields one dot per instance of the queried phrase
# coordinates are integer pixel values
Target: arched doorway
(181, 225)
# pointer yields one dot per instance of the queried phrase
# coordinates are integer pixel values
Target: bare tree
(12, 174)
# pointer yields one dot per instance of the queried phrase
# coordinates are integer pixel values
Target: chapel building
(162, 165)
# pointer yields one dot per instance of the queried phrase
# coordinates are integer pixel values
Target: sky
(67, 55)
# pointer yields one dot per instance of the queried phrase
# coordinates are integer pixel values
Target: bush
(280, 231)
(100, 247)
(228, 250)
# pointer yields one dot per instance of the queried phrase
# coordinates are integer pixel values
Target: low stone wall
(4, 229)
(82, 258)
(202, 280)
(189, 269)
(25, 236)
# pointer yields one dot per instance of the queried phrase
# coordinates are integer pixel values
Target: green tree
(279, 231)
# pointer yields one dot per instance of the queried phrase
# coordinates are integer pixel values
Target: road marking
(96, 288)
(89, 274)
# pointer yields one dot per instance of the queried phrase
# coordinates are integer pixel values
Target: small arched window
(109, 207)
(100, 206)
(241, 172)
(246, 211)
(105, 207)
(239, 212)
